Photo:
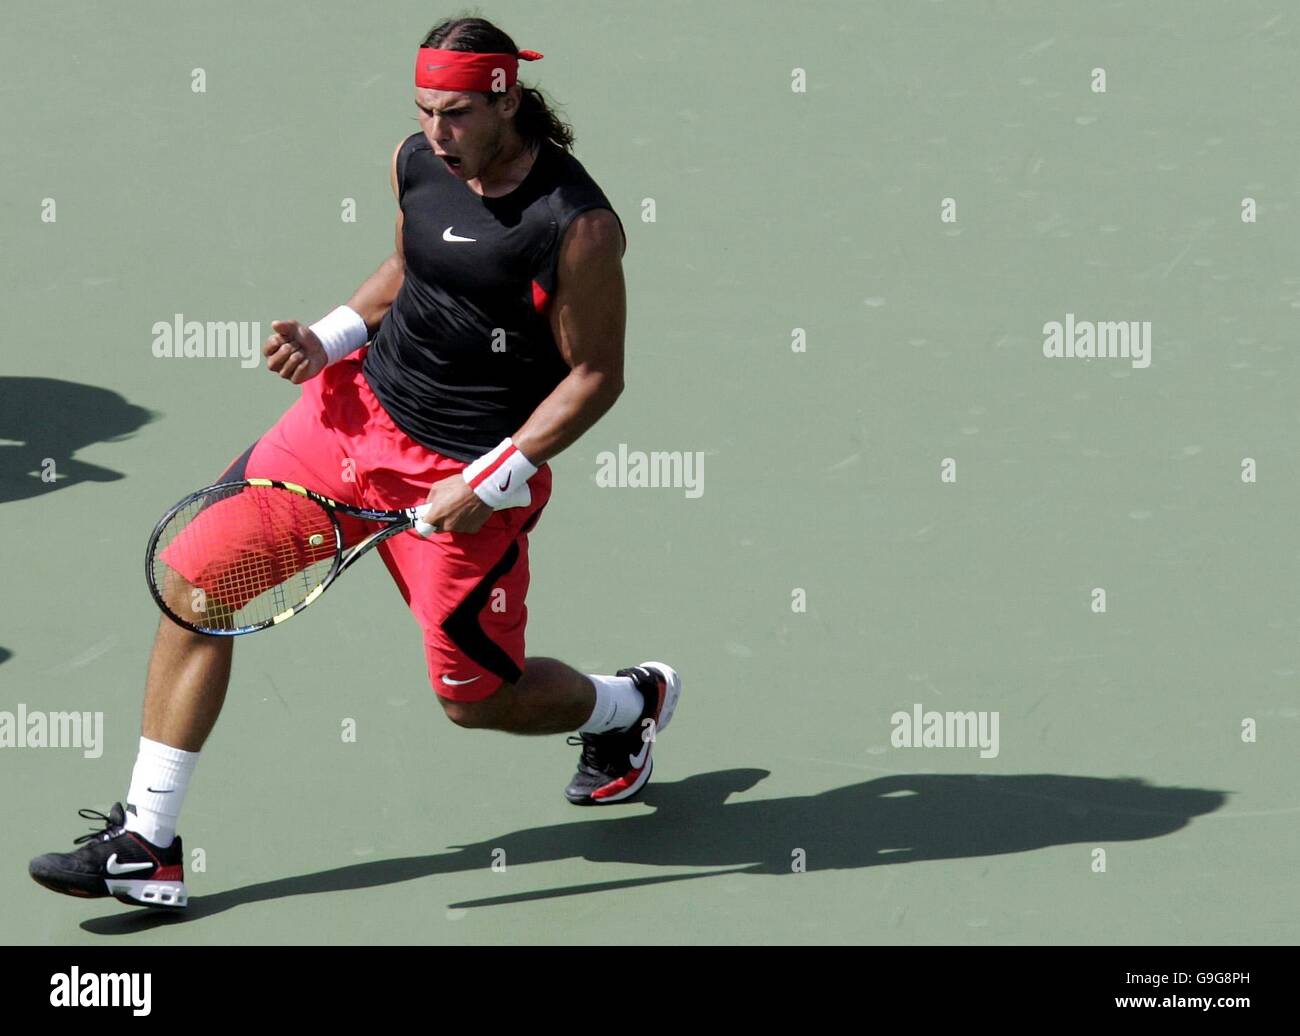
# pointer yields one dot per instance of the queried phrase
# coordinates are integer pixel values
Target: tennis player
(488, 342)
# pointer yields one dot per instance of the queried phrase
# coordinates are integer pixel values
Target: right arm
(375, 297)
(294, 352)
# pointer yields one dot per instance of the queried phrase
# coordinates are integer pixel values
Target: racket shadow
(691, 824)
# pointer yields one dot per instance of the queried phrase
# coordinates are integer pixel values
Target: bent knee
(485, 713)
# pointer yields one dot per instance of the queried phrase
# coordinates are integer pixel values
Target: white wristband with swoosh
(500, 477)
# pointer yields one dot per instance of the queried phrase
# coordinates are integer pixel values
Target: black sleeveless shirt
(466, 353)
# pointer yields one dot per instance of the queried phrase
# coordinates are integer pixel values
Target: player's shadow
(890, 820)
(5, 655)
(44, 421)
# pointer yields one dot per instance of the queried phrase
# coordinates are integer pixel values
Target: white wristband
(500, 478)
(341, 331)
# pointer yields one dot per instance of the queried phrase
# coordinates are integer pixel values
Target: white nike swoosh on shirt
(456, 683)
(447, 235)
(113, 867)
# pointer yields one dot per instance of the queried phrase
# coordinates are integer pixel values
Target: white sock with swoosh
(158, 785)
(618, 704)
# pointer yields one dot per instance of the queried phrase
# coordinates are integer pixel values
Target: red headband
(466, 70)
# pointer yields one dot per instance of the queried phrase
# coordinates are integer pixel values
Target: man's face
(466, 132)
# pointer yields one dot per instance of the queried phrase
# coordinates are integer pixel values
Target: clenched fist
(294, 352)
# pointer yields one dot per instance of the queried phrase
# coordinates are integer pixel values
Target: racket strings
(242, 556)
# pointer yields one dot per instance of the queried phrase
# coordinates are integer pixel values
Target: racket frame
(394, 522)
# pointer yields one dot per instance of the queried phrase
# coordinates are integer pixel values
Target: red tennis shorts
(466, 590)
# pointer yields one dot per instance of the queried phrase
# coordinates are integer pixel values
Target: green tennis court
(980, 645)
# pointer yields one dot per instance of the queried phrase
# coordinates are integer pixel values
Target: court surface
(825, 577)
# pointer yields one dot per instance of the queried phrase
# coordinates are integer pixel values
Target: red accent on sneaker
(614, 787)
(662, 684)
(173, 873)
(146, 846)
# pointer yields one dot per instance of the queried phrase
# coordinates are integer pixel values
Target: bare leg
(550, 698)
(186, 686)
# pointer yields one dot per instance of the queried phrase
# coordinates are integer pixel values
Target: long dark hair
(535, 121)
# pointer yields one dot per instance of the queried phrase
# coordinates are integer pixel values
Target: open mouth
(451, 160)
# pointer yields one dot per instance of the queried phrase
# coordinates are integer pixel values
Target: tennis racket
(243, 556)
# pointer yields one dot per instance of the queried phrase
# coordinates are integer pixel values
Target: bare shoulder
(593, 236)
(393, 169)
(590, 307)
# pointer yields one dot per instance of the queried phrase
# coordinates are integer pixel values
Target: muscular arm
(588, 319)
(588, 316)
(375, 296)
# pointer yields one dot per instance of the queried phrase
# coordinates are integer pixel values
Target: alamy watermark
(75, 988)
(636, 469)
(1106, 339)
(215, 339)
(921, 729)
(23, 729)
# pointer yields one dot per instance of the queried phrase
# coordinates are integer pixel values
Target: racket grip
(421, 526)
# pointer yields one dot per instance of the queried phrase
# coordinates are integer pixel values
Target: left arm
(588, 319)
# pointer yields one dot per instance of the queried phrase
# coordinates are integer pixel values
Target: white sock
(618, 704)
(158, 785)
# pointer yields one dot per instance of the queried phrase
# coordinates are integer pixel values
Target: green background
(774, 210)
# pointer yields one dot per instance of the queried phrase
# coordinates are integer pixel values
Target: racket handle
(421, 526)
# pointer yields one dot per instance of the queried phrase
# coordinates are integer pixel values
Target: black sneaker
(118, 863)
(615, 766)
